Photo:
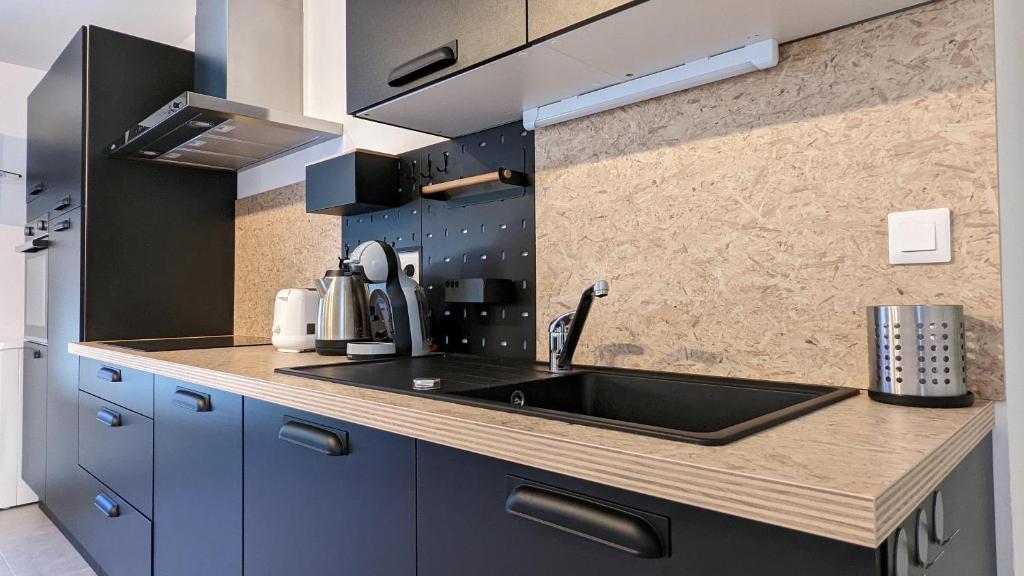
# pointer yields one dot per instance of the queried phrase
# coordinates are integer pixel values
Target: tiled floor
(30, 545)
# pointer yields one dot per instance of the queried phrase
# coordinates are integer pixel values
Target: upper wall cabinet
(549, 16)
(574, 47)
(399, 45)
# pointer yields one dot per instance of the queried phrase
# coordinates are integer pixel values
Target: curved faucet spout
(564, 331)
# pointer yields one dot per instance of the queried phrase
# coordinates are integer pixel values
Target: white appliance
(13, 490)
(295, 311)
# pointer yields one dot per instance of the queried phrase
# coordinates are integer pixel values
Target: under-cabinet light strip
(758, 56)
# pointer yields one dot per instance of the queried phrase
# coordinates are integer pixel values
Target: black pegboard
(473, 235)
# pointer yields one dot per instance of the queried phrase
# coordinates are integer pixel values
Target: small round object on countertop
(426, 383)
(922, 537)
(938, 518)
(901, 554)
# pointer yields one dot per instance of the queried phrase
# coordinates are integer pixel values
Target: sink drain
(518, 398)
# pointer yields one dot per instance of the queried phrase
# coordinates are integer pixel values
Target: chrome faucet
(564, 332)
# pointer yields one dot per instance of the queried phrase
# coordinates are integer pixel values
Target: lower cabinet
(326, 497)
(197, 480)
(33, 418)
(477, 515)
(115, 535)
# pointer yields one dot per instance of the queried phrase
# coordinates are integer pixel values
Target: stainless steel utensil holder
(917, 355)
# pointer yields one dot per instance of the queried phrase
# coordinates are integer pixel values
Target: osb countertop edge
(849, 472)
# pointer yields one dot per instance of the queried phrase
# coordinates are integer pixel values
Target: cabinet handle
(189, 400)
(36, 354)
(591, 520)
(109, 418)
(109, 374)
(33, 245)
(64, 203)
(313, 438)
(37, 189)
(107, 505)
(424, 65)
(62, 226)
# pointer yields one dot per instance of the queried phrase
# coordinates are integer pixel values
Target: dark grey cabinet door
(55, 113)
(33, 418)
(63, 311)
(395, 46)
(326, 497)
(474, 518)
(549, 16)
(197, 494)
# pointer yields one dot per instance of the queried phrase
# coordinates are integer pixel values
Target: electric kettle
(343, 314)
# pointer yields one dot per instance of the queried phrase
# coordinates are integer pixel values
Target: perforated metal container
(917, 355)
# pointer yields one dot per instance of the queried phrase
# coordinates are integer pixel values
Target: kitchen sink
(698, 409)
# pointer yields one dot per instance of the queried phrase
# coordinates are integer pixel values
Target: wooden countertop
(850, 471)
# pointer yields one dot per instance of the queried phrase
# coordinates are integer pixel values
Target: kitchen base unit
(326, 497)
(478, 515)
(197, 486)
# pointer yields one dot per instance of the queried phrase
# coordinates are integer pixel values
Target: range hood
(247, 107)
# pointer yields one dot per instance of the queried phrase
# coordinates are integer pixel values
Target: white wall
(15, 84)
(324, 97)
(1009, 434)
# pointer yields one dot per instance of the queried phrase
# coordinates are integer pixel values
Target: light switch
(920, 237)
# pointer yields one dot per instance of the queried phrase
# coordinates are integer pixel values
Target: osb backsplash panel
(278, 245)
(742, 225)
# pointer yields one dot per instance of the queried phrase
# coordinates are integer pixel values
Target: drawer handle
(107, 505)
(36, 354)
(109, 374)
(313, 438)
(33, 245)
(189, 400)
(591, 520)
(37, 189)
(62, 226)
(64, 203)
(108, 418)
(425, 64)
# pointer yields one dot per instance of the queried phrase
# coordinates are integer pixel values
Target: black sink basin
(696, 409)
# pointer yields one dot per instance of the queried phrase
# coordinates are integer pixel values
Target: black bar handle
(191, 400)
(424, 65)
(107, 505)
(62, 226)
(36, 354)
(109, 418)
(33, 245)
(588, 519)
(313, 438)
(108, 374)
(63, 203)
(37, 189)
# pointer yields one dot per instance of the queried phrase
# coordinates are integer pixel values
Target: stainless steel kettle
(343, 314)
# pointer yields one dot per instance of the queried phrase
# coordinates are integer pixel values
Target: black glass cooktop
(199, 343)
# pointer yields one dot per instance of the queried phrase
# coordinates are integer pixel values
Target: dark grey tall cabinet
(137, 250)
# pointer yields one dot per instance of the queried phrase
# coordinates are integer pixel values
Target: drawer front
(115, 535)
(116, 446)
(125, 387)
(521, 520)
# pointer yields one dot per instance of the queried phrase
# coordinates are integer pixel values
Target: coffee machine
(399, 315)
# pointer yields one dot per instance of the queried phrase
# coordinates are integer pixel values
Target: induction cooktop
(197, 343)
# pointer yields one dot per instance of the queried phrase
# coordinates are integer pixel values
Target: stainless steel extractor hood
(247, 107)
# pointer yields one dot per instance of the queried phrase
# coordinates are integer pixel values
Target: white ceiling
(33, 32)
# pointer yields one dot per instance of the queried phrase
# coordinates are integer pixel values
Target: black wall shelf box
(354, 183)
(480, 291)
